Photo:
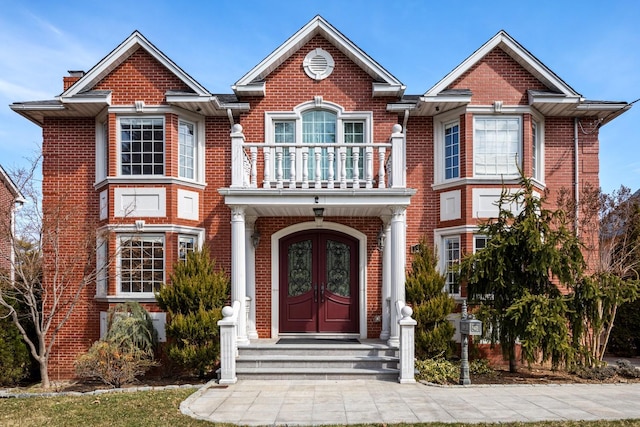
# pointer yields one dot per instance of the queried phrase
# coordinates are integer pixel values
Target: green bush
(127, 350)
(438, 371)
(14, 356)
(431, 306)
(480, 367)
(194, 300)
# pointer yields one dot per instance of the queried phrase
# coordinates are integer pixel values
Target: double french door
(319, 282)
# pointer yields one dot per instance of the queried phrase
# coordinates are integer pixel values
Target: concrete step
(265, 359)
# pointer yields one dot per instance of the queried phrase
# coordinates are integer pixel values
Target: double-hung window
(141, 264)
(187, 150)
(451, 258)
(452, 151)
(142, 146)
(496, 146)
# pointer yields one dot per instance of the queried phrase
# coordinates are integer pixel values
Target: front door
(319, 282)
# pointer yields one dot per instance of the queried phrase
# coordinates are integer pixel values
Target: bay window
(141, 146)
(186, 245)
(452, 150)
(496, 146)
(186, 150)
(140, 264)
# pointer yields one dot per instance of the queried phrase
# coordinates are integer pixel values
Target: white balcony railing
(318, 165)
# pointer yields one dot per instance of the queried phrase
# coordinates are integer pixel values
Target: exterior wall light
(318, 214)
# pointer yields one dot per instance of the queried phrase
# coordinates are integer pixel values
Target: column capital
(397, 212)
(238, 213)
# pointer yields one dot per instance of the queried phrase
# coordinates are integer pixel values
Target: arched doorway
(318, 282)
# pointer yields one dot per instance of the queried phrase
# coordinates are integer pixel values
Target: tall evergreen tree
(431, 305)
(529, 254)
(194, 300)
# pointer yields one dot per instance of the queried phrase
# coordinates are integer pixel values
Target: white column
(407, 346)
(386, 278)
(250, 251)
(398, 158)
(397, 247)
(238, 269)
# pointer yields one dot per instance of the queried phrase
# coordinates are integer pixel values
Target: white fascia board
(446, 98)
(400, 107)
(553, 99)
(316, 26)
(88, 99)
(603, 106)
(119, 55)
(513, 49)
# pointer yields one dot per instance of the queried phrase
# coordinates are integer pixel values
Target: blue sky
(593, 46)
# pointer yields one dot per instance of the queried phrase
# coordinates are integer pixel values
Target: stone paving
(313, 402)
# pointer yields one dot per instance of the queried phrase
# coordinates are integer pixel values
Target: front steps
(264, 359)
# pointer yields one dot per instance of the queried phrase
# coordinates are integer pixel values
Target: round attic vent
(318, 64)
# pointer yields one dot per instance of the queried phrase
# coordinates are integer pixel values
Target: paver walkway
(312, 402)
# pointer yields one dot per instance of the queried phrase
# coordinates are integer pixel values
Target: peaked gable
(6, 180)
(519, 54)
(119, 55)
(252, 83)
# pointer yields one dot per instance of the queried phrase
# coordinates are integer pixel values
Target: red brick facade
(71, 161)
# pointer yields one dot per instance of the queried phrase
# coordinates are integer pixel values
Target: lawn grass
(161, 408)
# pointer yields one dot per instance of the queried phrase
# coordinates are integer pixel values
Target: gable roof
(519, 54)
(119, 55)
(80, 99)
(11, 186)
(559, 100)
(252, 83)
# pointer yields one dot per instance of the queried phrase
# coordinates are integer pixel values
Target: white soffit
(519, 54)
(120, 54)
(317, 26)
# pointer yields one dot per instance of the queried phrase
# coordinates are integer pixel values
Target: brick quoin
(70, 187)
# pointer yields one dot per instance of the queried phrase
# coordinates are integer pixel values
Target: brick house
(10, 200)
(309, 183)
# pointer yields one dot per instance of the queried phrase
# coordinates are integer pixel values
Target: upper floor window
(141, 264)
(452, 151)
(186, 150)
(496, 146)
(142, 146)
(316, 127)
(537, 163)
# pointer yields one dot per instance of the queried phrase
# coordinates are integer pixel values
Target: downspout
(230, 115)
(576, 185)
(404, 122)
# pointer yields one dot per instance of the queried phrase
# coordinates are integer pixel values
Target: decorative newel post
(228, 346)
(407, 346)
(468, 326)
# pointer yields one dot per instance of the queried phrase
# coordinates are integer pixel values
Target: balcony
(344, 178)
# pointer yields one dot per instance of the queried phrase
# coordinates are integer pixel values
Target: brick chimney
(73, 77)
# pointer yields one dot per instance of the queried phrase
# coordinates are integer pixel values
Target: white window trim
(199, 163)
(119, 146)
(149, 229)
(538, 120)
(318, 104)
(197, 245)
(440, 122)
(120, 237)
(102, 148)
(519, 153)
(438, 237)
